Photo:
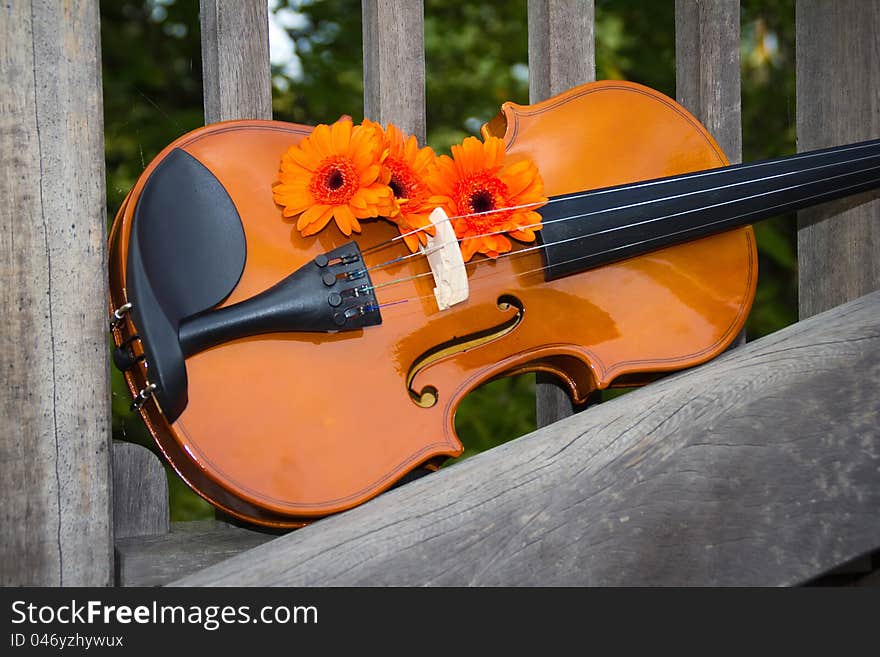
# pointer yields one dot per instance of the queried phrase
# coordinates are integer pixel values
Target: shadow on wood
(188, 547)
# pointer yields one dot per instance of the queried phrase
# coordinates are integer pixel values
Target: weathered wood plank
(140, 492)
(561, 56)
(561, 46)
(235, 59)
(838, 102)
(760, 468)
(707, 70)
(394, 64)
(188, 548)
(54, 401)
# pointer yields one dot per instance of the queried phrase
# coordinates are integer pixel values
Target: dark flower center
(397, 187)
(335, 182)
(335, 179)
(404, 182)
(482, 201)
(483, 197)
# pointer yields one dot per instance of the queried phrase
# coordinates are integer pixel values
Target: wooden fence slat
(759, 468)
(707, 72)
(394, 64)
(561, 46)
(707, 69)
(838, 102)
(55, 397)
(235, 59)
(561, 56)
(140, 492)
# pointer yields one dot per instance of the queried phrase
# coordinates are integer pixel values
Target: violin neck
(588, 229)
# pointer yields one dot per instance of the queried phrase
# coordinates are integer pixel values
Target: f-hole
(428, 396)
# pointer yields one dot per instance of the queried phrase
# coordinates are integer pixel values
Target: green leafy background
(476, 58)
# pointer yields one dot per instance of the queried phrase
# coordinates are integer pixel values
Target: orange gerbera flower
(486, 197)
(334, 173)
(405, 169)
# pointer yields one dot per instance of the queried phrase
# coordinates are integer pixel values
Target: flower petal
(318, 225)
(322, 140)
(468, 249)
(369, 175)
(310, 216)
(344, 218)
(340, 134)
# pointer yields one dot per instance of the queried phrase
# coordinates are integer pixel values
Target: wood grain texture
(561, 56)
(759, 468)
(140, 492)
(235, 59)
(55, 397)
(707, 69)
(188, 548)
(838, 102)
(394, 64)
(561, 46)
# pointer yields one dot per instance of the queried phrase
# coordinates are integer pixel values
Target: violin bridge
(447, 265)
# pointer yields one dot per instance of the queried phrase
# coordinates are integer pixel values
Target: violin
(287, 377)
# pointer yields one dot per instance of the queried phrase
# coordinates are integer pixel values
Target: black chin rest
(186, 254)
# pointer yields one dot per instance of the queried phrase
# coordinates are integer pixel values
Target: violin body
(282, 428)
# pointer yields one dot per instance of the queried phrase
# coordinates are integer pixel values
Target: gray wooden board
(235, 59)
(707, 70)
(759, 468)
(838, 102)
(561, 56)
(394, 64)
(55, 397)
(189, 547)
(140, 492)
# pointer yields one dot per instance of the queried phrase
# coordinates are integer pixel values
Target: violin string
(628, 226)
(598, 192)
(525, 251)
(378, 306)
(508, 208)
(440, 246)
(717, 205)
(426, 252)
(685, 230)
(415, 276)
(399, 280)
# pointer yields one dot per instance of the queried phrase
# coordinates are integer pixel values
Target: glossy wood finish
(286, 427)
